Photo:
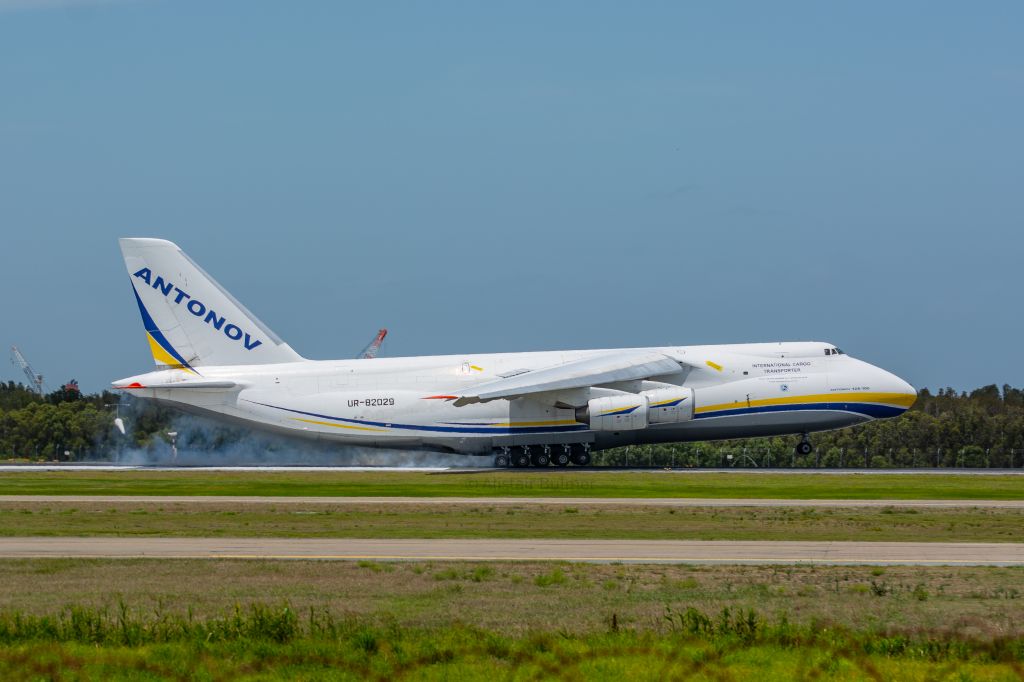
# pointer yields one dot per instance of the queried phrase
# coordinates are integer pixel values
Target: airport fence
(771, 454)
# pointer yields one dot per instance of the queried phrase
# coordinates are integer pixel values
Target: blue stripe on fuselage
(868, 409)
(441, 429)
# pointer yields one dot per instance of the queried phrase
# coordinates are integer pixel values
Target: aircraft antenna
(35, 380)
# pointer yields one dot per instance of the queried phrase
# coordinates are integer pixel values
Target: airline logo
(197, 308)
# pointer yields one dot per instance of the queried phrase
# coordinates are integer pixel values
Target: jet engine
(616, 413)
(669, 405)
(631, 411)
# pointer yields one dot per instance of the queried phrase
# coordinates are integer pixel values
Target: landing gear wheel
(502, 460)
(804, 448)
(540, 459)
(521, 458)
(561, 458)
(581, 458)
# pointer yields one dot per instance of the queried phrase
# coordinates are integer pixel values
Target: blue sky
(522, 176)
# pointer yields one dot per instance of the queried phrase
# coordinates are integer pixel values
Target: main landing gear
(561, 455)
(539, 456)
(804, 447)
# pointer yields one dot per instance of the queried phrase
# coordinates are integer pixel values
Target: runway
(679, 502)
(594, 551)
(108, 467)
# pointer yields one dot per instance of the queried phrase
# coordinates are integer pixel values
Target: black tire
(804, 448)
(540, 459)
(502, 461)
(581, 458)
(560, 458)
(520, 459)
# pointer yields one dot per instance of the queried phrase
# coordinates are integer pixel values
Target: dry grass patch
(380, 520)
(518, 597)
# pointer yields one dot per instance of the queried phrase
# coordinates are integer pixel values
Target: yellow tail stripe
(162, 357)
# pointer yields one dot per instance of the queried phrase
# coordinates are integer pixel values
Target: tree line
(982, 428)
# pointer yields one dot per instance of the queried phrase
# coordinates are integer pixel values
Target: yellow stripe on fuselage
(338, 426)
(904, 400)
(560, 422)
(506, 424)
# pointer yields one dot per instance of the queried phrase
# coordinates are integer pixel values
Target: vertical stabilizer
(190, 320)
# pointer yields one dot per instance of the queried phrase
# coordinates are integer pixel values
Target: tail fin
(191, 320)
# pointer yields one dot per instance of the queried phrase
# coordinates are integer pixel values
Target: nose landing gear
(804, 447)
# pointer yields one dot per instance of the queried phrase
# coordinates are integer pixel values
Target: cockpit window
(839, 351)
(834, 351)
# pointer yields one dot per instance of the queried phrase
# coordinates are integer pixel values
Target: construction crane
(373, 347)
(35, 380)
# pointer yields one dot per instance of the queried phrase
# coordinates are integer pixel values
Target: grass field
(380, 520)
(518, 597)
(517, 484)
(141, 619)
(357, 652)
(365, 653)
(218, 619)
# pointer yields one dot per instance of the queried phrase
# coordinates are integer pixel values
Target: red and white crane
(35, 380)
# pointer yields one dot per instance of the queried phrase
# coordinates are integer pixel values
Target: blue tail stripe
(154, 331)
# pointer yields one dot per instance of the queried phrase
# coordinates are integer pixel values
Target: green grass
(517, 484)
(219, 619)
(275, 642)
(380, 520)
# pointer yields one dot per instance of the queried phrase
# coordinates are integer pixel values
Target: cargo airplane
(216, 359)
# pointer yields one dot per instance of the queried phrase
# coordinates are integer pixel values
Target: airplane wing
(592, 371)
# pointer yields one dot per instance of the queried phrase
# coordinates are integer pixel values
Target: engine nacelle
(669, 405)
(631, 411)
(617, 413)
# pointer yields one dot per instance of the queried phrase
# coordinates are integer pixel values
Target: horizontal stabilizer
(198, 383)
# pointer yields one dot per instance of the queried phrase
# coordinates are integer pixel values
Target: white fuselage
(738, 391)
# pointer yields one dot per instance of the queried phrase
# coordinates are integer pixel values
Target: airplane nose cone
(907, 393)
